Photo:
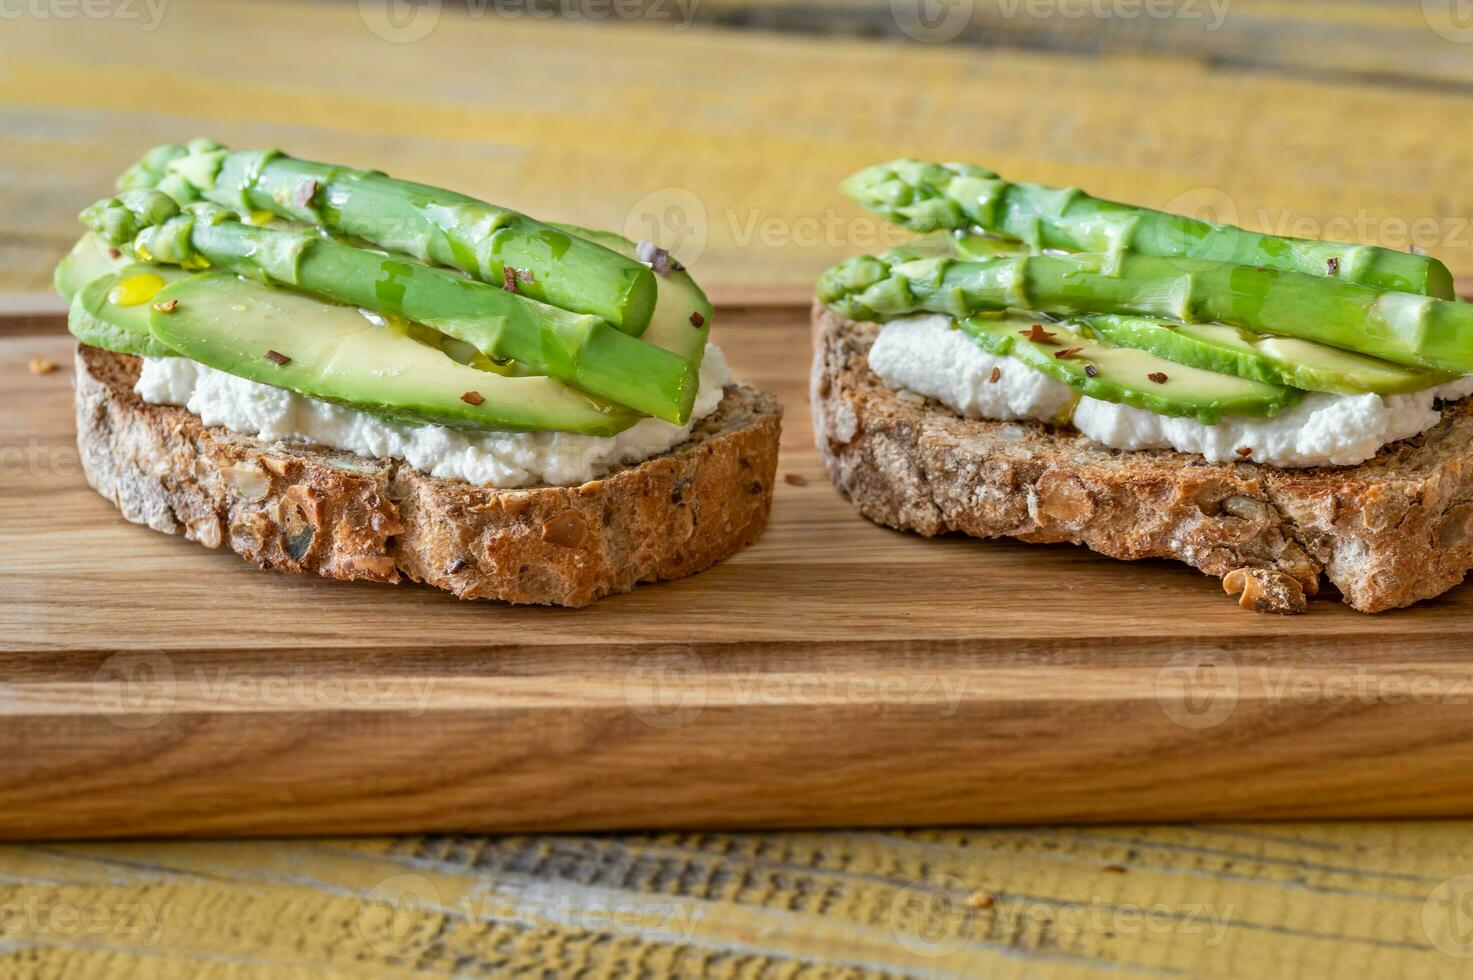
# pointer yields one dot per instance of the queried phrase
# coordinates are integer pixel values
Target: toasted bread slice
(1389, 532)
(296, 508)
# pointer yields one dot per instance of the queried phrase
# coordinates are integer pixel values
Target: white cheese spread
(928, 356)
(496, 459)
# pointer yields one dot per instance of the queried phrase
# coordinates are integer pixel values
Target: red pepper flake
(1158, 376)
(1066, 353)
(995, 377)
(1038, 335)
(1333, 264)
(472, 398)
(696, 320)
(658, 259)
(167, 306)
(1091, 370)
(114, 253)
(277, 357)
(1115, 869)
(1244, 451)
(305, 192)
(508, 279)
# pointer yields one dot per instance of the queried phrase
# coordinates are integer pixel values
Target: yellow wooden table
(721, 127)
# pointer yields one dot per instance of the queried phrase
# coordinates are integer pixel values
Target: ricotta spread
(497, 459)
(928, 356)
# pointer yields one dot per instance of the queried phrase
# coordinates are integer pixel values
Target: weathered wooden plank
(718, 145)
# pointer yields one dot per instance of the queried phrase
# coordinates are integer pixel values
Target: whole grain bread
(1389, 532)
(297, 508)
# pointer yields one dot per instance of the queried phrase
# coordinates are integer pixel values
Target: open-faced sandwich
(329, 370)
(1048, 366)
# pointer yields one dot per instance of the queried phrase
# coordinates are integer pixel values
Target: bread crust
(1387, 533)
(307, 509)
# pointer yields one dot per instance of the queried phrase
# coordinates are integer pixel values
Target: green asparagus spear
(428, 223)
(578, 349)
(927, 196)
(1403, 327)
(682, 317)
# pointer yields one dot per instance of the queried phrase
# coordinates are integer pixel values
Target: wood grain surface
(1339, 116)
(836, 673)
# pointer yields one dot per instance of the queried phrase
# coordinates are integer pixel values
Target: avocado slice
(89, 259)
(1276, 360)
(290, 340)
(682, 318)
(1122, 374)
(101, 317)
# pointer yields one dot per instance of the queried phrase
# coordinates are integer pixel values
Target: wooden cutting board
(837, 673)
